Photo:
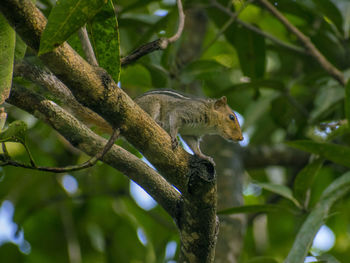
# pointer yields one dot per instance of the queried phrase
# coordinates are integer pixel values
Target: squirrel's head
(226, 121)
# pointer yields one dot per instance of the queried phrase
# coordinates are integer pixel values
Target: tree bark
(230, 184)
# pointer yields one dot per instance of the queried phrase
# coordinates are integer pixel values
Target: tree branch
(95, 89)
(159, 44)
(84, 139)
(318, 56)
(47, 80)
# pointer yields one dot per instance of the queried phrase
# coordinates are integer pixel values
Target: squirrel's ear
(220, 102)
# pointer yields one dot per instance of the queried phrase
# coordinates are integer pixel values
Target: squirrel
(191, 117)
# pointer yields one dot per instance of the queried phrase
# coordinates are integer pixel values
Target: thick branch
(50, 82)
(84, 139)
(94, 88)
(324, 63)
(198, 223)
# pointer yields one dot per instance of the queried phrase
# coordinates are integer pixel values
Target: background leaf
(279, 189)
(336, 153)
(15, 132)
(330, 10)
(254, 209)
(326, 98)
(328, 258)
(314, 221)
(251, 52)
(66, 17)
(305, 179)
(7, 49)
(347, 102)
(263, 260)
(104, 36)
(20, 48)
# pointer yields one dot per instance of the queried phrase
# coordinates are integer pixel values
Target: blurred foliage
(283, 95)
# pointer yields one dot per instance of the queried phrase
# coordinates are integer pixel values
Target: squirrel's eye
(232, 117)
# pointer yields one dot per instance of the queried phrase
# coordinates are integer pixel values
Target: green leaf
(336, 153)
(279, 189)
(340, 131)
(267, 208)
(104, 36)
(331, 12)
(251, 52)
(347, 102)
(160, 77)
(256, 110)
(136, 77)
(136, 5)
(264, 83)
(305, 179)
(201, 70)
(263, 260)
(7, 50)
(66, 17)
(15, 132)
(283, 113)
(317, 217)
(328, 258)
(249, 45)
(326, 98)
(20, 49)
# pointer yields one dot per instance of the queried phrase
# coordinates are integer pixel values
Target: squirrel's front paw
(174, 143)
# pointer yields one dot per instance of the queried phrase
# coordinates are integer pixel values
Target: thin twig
(181, 23)
(32, 163)
(260, 32)
(324, 63)
(87, 47)
(143, 50)
(159, 44)
(71, 168)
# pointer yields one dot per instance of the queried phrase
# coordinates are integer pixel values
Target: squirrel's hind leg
(173, 129)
